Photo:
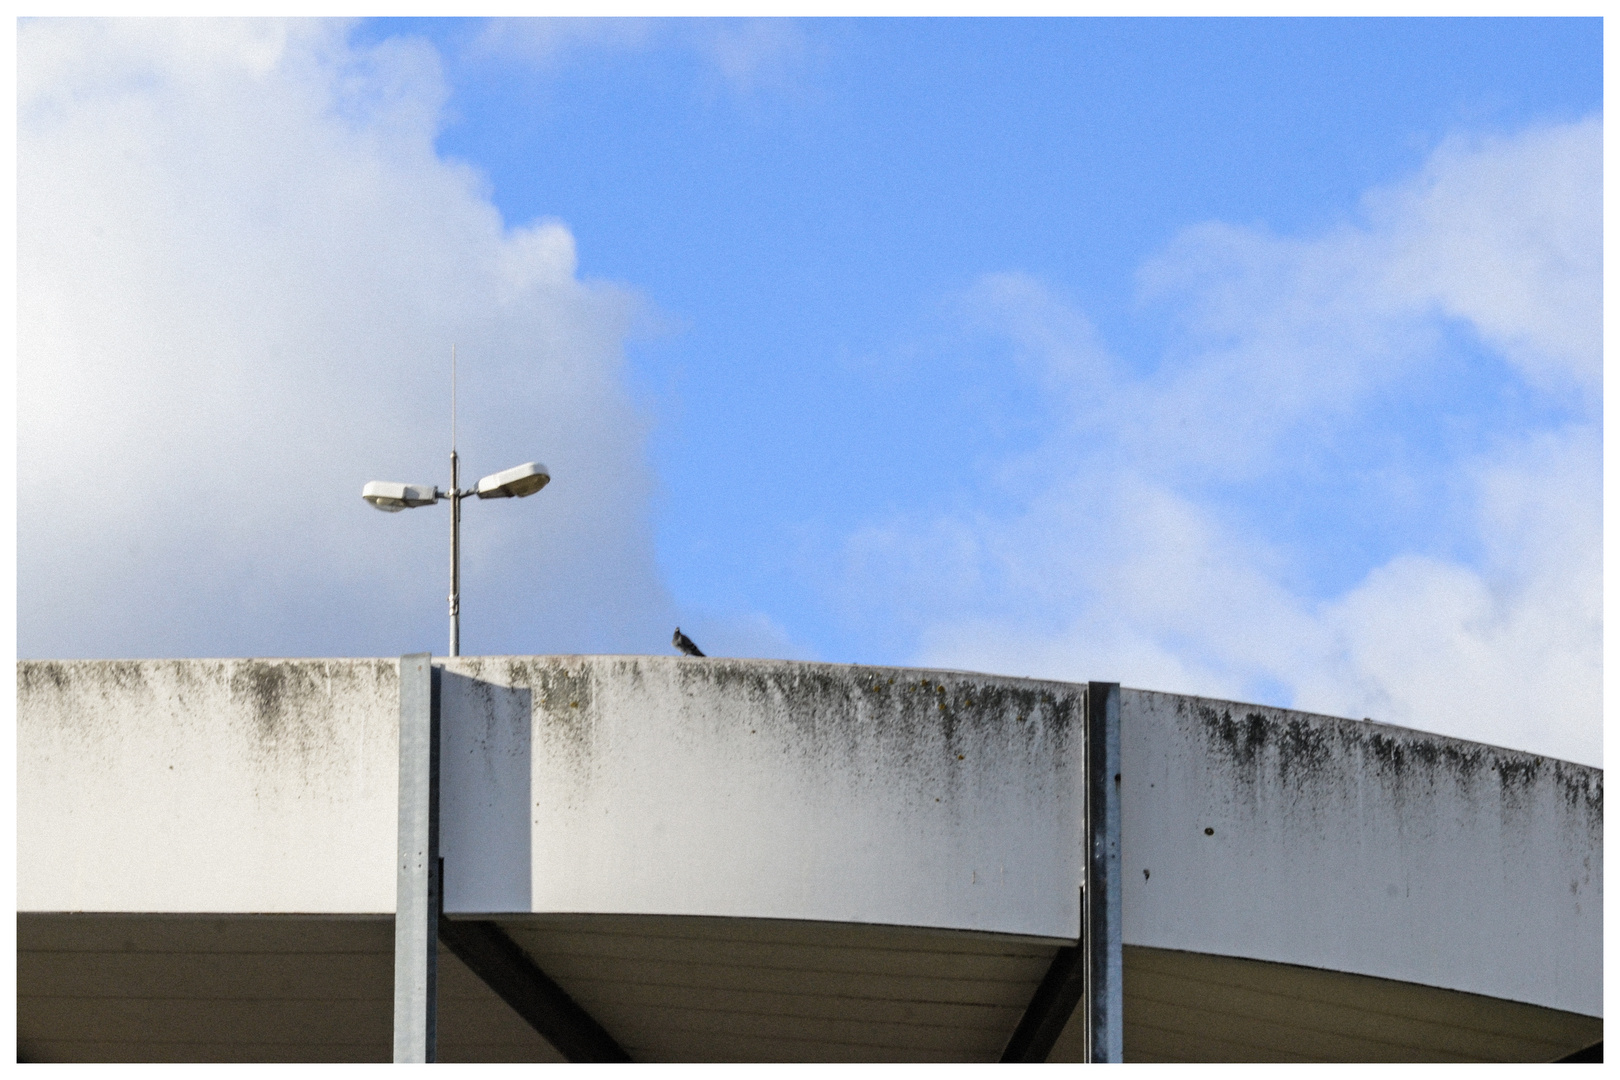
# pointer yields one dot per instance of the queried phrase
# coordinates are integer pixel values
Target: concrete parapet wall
(1361, 847)
(765, 789)
(768, 789)
(584, 784)
(207, 785)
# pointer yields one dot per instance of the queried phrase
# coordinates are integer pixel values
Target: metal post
(417, 900)
(455, 520)
(1102, 940)
(455, 557)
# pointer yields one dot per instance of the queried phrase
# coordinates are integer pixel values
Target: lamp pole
(455, 558)
(514, 483)
(455, 520)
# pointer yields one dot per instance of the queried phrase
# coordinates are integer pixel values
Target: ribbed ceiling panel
(1182, 1006)
(693, 989)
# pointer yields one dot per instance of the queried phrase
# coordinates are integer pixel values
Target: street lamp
(513, 483)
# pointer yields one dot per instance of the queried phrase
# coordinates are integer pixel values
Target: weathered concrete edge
(1485, 913)
(1394, 730)
(1365, 728)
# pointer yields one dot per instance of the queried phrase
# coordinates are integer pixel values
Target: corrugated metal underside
(1182, 1006)
(269, 988)
(697, 989)
(116, 988)
(307, 988)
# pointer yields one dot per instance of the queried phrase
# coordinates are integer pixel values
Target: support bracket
(1049, 1010)
(504, 966)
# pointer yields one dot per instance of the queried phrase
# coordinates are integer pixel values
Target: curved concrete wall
(570, 784)
(766, 789)
(207, 785)
(806, 791)
(1360, 847)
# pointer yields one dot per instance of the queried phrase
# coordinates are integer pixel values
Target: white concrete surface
(1363, 848)
(769, 789)
(654, 786)
(207, 785)
(484, 806)
(675, 786)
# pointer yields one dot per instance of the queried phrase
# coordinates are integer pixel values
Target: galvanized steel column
(418, 902)
(1103, 943)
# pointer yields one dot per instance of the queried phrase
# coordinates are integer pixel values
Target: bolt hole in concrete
(1209, 832)
(1145, 875)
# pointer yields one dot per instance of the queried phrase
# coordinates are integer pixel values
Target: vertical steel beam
(1101, 940)
(417, 903)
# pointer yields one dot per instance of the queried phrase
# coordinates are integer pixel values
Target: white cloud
(752, 54)
(548, 42)
(1149, 542)
(241, 267)
(1511, 647)
(744, 56)
(1504, 233)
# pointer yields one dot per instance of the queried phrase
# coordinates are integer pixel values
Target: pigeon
(685, 644)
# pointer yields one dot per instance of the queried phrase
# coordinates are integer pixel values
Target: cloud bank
(1414, 396)
(241, 268)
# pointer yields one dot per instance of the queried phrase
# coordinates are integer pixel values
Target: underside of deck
(254, 988)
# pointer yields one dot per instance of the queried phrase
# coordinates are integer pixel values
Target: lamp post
(513, 483)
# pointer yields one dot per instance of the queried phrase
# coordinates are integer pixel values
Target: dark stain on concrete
(1580, 792)
(829, 705)
(290, 704)
(1241, 740)
(1314, 758)
(1517, 777)
(562, 702)
(285, 708)
(867, 723)
(1302, 748)
(42, 676)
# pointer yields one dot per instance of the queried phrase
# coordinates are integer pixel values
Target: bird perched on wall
(685, 644)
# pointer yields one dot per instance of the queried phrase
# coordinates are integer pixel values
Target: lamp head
(392, 498)
(514, 483)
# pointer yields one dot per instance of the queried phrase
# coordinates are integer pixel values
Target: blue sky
(1241, 357)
